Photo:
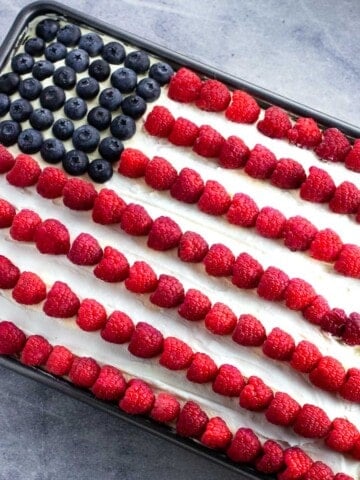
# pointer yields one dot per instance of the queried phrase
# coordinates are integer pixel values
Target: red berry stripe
(260, 163)
(240, 107)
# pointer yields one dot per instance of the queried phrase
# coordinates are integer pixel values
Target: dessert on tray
(181, 251)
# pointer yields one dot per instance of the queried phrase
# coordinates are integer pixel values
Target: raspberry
(51, 182)
(7, 160)
(229, 381)
(351, 334)
(352, 159)
(184, 86)
(164, 234)
(29, 290)
(188, 186)
(133, 163)
(183, 133)
(85, 250)
(84, 372)
(166, 408)
(282, 410)
(159, 122)
(12, 339)
(209, 142)
(297, 464)
(202, 369)
(108, 207)
(246, 271)
(25, 171)
(217, 434)
(342, 476)
(275, 123)
(59, 361)
(176, 355)
(319, 471)
(348, 262)
(79, 194)
(214, 199)
(219, 261)
(138, 398)
(315, 311)
(318, 187)
(220, 320)
(160, 174)
(312, 422)
(342, 435)
(298, 233)
(195, 305)
(279, 345)
(355, 452)
(192, 420)
(305, 356)
(91, 315)
(214, 96)
(36, 351)
(299, 294)
(110, 384)
(245, 446)
(350, 389)
(52, 237)
(118, 328)
(334, 321)
(61, 301)
(7, 214)
(305, 133)
(272, 285)
(270, 223)
(334, 146)
(346, 198)
(135, 220)
(169, 292)
(326, 245)
(261, 162)
(243, 108)
(249, 331)
(255, 396)
(192, 247)
(141, 279)
(288, 174)
(234, 153)
(9, 273)
(243, 211)
(146, 341)
(113, 267)
(24, 226)
(272, 458)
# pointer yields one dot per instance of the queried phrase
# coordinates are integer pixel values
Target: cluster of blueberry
(127, 96)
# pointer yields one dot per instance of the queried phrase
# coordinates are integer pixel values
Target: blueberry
(113, 52)
(75, 162)
(9, 83)
(69, 34)
(30, 88)
(47, 29)
(35, 46)
(123, 127)
(52, 97)
(100, 170)
(87, 88)
(20, 110)
(124, 79)
(22, 63)
(42, 69)
(111, 148)
(137, 61)
(161, 72)
(9, 132)
(92, 43)
(4, 104)
(75, 108)
(63, 129)
(78, 59)
(134, 106)
(41, 118)
(148, 89)
(55, 51)
(86, 138)
(99, 118)
(52, 150)
(99, 69)
(110, 98)
(65, 77)
(30, 141)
